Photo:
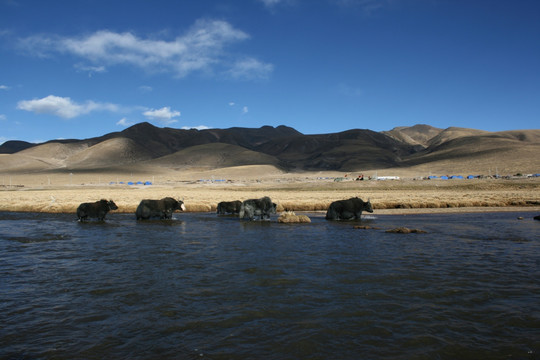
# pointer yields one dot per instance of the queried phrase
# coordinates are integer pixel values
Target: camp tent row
(444, 177)
(131, 183)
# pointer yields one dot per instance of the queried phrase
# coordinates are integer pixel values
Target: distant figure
(229, 207)
(161, 209)
(348, 209)
(98, 209)
(262, 207)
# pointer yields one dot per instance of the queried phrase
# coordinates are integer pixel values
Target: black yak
(162, 209)
(348, 209)
(262, 207)
(96, 209)
(229, 207)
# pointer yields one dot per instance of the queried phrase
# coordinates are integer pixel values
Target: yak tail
(242, 211)
(331, 213)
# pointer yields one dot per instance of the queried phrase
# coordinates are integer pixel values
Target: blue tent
(471, 177)
(456, 177)
(130, 183)
(148, 183)
(444, 177)
(432, 177)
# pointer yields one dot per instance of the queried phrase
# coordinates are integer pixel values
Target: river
(203, 286)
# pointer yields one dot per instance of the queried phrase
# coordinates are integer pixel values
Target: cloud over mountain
(200, 48)
(63, 106)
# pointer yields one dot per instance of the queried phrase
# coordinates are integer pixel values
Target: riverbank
(296, 192)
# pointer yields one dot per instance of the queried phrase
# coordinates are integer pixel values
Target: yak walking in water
(98, 209)
(229, 207)
(348, 209)
(161, 209)
(262, 207)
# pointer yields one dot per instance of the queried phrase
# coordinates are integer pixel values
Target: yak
(348, 209)
(229, 207)
(96, 209)
(262, 207)
(162, 209)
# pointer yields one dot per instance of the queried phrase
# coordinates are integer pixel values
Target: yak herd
(251, 209)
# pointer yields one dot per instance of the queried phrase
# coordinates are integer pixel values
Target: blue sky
(84, 68)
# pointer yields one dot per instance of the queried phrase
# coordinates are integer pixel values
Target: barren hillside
(418, 148)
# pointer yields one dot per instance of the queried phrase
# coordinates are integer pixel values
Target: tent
(444, 177)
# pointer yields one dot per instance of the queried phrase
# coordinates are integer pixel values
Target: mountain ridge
(282, 146)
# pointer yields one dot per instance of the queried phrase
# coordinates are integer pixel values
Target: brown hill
(420, 147)
(16, 163)
(454, 133)
(108, 153)
(506, 152)
(347, 151)
(13, 146)
(213, 156)
(414, 135)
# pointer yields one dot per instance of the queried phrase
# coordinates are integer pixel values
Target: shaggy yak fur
(262, 207)
(98, 209)
(162, 209)
(229, 207)
(348, 209)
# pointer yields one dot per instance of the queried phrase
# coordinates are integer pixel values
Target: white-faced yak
(160, 209)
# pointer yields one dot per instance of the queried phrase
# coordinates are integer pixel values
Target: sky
(76, 69)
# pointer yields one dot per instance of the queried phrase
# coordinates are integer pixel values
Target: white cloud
(63, 106)
(245, 110)
(90, 69)
(165, 115)
(231, 103)
(145, 88)
(201, 48)
(200, 127)
(124, 122)
(4, 87)
(2, 117)
(249, 69)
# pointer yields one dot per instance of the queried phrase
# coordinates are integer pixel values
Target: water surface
(203, 286)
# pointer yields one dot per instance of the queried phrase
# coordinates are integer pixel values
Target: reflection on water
(203, 286)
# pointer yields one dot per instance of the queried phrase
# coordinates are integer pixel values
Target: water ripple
(202, 286)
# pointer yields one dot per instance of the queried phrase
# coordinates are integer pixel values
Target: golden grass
(62, 193)
(291, 217)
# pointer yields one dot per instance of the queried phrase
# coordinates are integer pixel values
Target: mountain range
(419, 147)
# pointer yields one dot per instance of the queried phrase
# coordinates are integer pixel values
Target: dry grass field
(309, 191)
(209, 166)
